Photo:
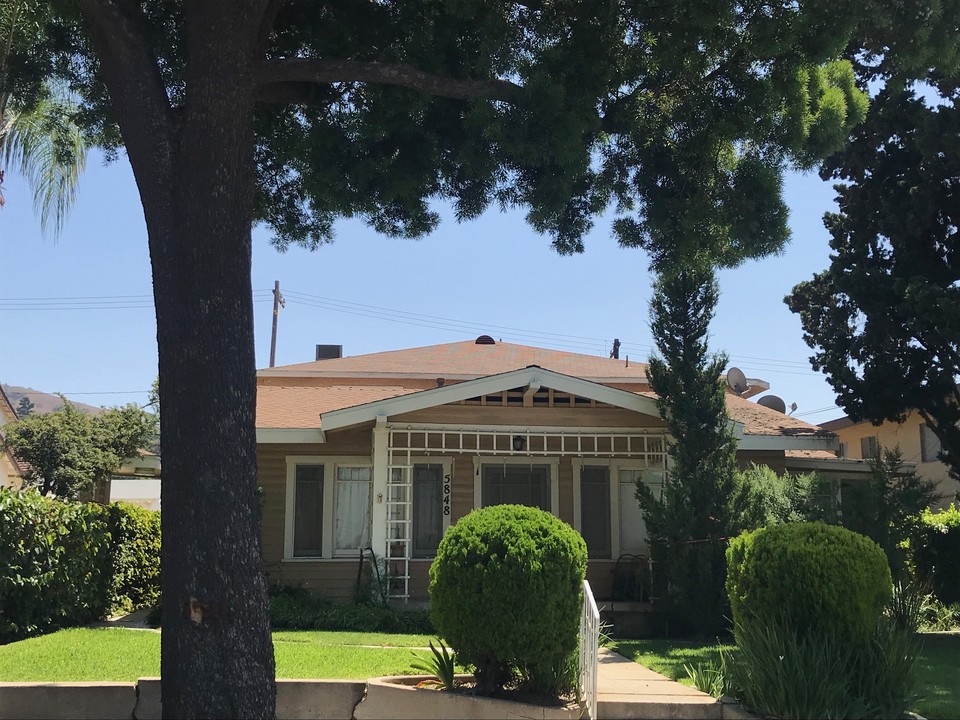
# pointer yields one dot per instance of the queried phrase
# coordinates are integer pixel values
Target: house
(386, 450)
(136, 481)
(11, 471)
(920, 447)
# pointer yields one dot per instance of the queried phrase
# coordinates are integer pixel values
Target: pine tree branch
(283, 80)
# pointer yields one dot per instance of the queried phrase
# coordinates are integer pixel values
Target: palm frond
(44, 145)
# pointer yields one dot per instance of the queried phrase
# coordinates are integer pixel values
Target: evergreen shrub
(935, 552)
(505, 594)
(54, 564)
(135, 557)
(68, 563)
(820, 578)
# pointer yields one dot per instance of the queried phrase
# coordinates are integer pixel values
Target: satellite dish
(737, 380)
(773, 402)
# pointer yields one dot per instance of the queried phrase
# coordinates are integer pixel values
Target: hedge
(64, 564)
(820, 578)
(505, 593)
(935, 552)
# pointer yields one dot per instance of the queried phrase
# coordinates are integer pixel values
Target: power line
(777, 366)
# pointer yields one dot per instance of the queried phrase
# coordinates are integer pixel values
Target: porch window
(595, 510)
(427, 509)
(633, 530)
(352, 513)
(517, 485)
(308, 511)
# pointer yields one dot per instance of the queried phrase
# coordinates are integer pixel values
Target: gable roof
(466, 360)
(309, 398)
(532, 377)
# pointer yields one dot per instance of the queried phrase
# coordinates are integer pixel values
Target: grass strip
(122, 655)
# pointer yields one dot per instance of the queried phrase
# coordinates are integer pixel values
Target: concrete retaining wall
(60, 701)
(296, 699)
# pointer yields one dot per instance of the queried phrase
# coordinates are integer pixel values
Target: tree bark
(196, 182)
(217, 655)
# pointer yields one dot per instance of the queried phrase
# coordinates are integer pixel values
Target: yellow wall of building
(906, 436)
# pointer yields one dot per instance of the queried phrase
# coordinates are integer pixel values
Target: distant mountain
(42, 402)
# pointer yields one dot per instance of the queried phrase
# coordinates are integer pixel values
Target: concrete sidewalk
(626, 689)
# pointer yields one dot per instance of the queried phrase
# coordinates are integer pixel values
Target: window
(308, 511)
(633, 530)
(510, 484)
(842, 450)
(427, 509)
(352, 509)
(869, 447)
(595, 510)
(929, 444)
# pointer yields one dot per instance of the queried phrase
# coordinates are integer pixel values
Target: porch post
(378, 518)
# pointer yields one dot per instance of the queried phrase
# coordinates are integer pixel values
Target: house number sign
(446, 495)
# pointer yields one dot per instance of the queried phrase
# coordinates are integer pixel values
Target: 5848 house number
(446, 495)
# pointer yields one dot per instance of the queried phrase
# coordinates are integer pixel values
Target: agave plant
(442, 665)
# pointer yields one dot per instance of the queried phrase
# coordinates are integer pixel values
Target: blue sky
(76, 314)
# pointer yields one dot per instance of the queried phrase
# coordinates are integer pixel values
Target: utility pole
(278, 302)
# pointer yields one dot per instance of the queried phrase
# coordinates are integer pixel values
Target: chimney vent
(329, 352)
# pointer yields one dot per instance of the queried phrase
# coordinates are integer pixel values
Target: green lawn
(125, 655)
(938, 670)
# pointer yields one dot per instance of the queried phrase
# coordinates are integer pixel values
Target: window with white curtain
(633, 530)
(308, 511)
(352, 509)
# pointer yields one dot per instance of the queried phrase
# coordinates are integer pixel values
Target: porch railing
(589, 643)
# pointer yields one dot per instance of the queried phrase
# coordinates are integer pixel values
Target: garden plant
(505, 594)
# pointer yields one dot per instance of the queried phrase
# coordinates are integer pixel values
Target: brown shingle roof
(466, 359)
(760, 420)
(280, 406)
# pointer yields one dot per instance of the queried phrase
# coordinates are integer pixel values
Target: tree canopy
(884, 318)
(682, 116)
(68, 452)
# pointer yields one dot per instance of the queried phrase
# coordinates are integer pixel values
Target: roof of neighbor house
(294, 396)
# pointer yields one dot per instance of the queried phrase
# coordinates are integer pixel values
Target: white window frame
(330, 464)
(615, 465)
(447, 463)
(553, 464)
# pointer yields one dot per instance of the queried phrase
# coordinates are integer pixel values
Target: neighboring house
(920, 447)
(10, 469)
(387, 450)
(136, 481)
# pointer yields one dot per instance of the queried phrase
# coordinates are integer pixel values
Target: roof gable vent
(485, 340)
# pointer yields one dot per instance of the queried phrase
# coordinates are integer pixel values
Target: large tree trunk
(194, 170)
(216, 650)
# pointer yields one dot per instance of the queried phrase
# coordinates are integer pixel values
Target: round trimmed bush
(819, 578)
(505, 593)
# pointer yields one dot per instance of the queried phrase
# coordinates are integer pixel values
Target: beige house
(387, 450)
(920, 447)
(10, 470)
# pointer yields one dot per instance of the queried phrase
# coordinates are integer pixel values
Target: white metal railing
(589, 645)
